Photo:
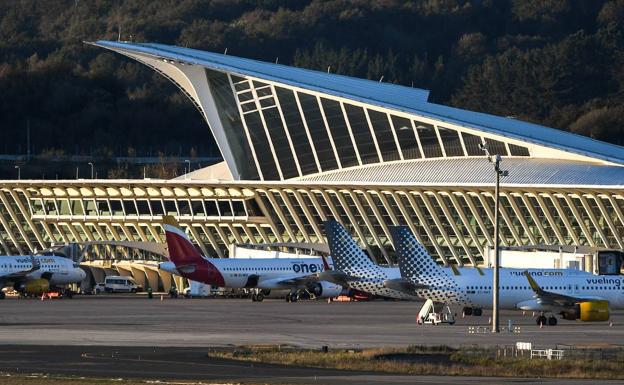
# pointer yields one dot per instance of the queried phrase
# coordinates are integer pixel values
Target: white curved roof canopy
(393, 97)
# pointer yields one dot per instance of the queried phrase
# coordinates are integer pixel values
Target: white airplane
(354, 269)
(572, 294)
(263, 274)
(37, 274)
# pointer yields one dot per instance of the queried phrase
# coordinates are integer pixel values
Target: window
(211, 208)
(407, 138)
(451, 142)
(225, 208)
(184, 207)
(383, 133)
(361, 134)
(143, 207)
(496, 147)
(428, 140)
(239, 208)
(318, 132)
(297, 131)
(198, 208)
(103, 208)
(229, 116)
(339, 131)
(472, 143)
(261, 146)
(129, 207)
(116, 207)
(518, 150)
(170, 207)
(157, 207)
(280, 142)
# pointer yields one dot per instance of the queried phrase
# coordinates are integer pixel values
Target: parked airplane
(356, 270)
(38, 274)
(264, 274)
(572, 294)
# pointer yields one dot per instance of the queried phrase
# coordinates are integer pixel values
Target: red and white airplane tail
(181, 250)
(187, 259)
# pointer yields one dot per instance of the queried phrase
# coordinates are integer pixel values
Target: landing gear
(542, 320)
(292, 297)
(2, 295)
(477, 312)
(257, 296)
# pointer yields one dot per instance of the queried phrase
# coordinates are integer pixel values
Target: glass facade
(318, 131)
(230, 119)
(296, 133)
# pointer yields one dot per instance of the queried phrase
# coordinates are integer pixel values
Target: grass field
(416, 360)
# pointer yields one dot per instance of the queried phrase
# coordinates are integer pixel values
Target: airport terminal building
(302, 146)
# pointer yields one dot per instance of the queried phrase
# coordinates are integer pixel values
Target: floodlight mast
(496, 160)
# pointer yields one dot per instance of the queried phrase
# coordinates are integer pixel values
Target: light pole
(19, 172)
(189, 168)
(91, 164)
(496, 160)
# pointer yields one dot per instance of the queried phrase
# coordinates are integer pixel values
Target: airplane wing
(557, 299)
(403, 285)
(299, 281)
(338, 277)
(23, 273)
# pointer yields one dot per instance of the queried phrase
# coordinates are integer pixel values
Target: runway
(193, 364)
(138, 321)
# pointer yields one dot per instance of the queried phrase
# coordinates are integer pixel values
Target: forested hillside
(555, 62)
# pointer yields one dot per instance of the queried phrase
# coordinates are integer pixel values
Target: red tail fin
(181, 250)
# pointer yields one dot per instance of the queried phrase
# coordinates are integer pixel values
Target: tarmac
(138, 321)
(136, 337)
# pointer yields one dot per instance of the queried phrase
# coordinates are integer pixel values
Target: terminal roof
(392, 96)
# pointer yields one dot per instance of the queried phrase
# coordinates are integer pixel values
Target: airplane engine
(325, 289)
(36, 286)
(590, 311)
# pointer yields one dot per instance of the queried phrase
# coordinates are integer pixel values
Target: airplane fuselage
(57, 270)
(515, 291)
(262, 273)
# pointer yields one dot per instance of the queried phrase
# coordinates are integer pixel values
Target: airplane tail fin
(413, 258)
(346, 255)
(181, 250)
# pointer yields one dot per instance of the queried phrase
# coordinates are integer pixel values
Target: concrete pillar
(166, 279)
(138, 275)
(152, 276)
(98, 273)
(123, 270)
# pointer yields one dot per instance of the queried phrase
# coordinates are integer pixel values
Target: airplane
(262, 274)
(360, 273)
(573, 294)
(38, 274)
